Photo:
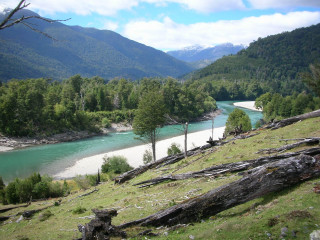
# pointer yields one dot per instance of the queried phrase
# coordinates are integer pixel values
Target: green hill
(294, 211)
(77, 50)
(274, 62)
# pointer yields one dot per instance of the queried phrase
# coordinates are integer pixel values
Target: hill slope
(276, 60)
(296, 208)
(86, 51)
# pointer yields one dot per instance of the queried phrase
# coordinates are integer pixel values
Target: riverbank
(11, 143)
(90, 165)
(247, 104)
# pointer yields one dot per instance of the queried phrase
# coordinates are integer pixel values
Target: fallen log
(159, 163)
(217, 170)
(262, 180)
(291, 120)
(307, 141)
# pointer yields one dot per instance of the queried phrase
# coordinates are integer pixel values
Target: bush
(35, 187)
(79, 210)
(147, 157)
(106, 123)
(115, 164)
(45, 215)
(237, 122)
(174, 149)
(82, 182)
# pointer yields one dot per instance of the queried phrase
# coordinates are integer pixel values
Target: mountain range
(77, 50)
(200, 57)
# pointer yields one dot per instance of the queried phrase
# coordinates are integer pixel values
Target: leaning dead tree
(159, 163)
(10, 19)
(219, 170)
(291, 120)
(307, 141)
(261, 181)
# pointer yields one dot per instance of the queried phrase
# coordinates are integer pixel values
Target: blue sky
(175, 24)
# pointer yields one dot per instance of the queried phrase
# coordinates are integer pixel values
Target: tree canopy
(237, 122)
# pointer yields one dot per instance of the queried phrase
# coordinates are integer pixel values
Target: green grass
(297, 208)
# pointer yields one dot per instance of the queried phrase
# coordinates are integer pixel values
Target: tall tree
(149, 117)
(313, 79)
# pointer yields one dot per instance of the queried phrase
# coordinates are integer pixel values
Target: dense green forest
(276, 106)
(77, 50)
(43, 107)
(271, 64)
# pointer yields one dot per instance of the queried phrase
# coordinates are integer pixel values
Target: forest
(274, 64)
(43, 107)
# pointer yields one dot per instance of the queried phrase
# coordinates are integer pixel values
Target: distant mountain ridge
(202, 56)
(86, 51)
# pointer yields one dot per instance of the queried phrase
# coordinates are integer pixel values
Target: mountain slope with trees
(77, 50)
(273, 64)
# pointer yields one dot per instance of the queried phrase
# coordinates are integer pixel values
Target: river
(53, 158)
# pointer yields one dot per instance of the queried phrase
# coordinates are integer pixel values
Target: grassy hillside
(296, 208)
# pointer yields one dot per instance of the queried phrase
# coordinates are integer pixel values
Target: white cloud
(110, 25)
(204, 6)
(168, 35)
(268, 4)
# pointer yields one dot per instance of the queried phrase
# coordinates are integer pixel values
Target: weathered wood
(307, 141)
(262, 180)
(100, 228)
(217, 170)
(291, 120)
(159, 163)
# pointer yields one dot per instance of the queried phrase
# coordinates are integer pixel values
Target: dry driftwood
(100, 228)
(263, 180)
(307, 141)
(291, 120)
(227, 168)
(159, 163)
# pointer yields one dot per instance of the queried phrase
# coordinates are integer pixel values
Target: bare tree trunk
(186, 139)
(291, 120)
(215, 171)
(153, 142)
(262, 180)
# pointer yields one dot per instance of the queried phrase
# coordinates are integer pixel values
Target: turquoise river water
(53, 158)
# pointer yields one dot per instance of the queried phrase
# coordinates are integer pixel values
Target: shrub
(106, 123)
(79, 210)
(174, 149)
(147, 157)
(115, 164)
(45, 215)
(82, 182)
(237, 122)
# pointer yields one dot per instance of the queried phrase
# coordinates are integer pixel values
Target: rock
(191, 237)
(101, 228)
(284, 231)
(315, 235)
(20, 219)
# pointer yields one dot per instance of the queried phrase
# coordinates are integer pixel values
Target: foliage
(271, 64)
(43, 107)
(313, 79)
(115, 164)
(83, 182)
(79, 210)
(275, 106)
(174, 149)
(45, 215)
(33, 187)
(2, 191)
(149, 117)
(147, 157)
(238, 119)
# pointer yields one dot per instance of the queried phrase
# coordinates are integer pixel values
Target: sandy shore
(5, 149)
(247, 104)
(90, 165)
